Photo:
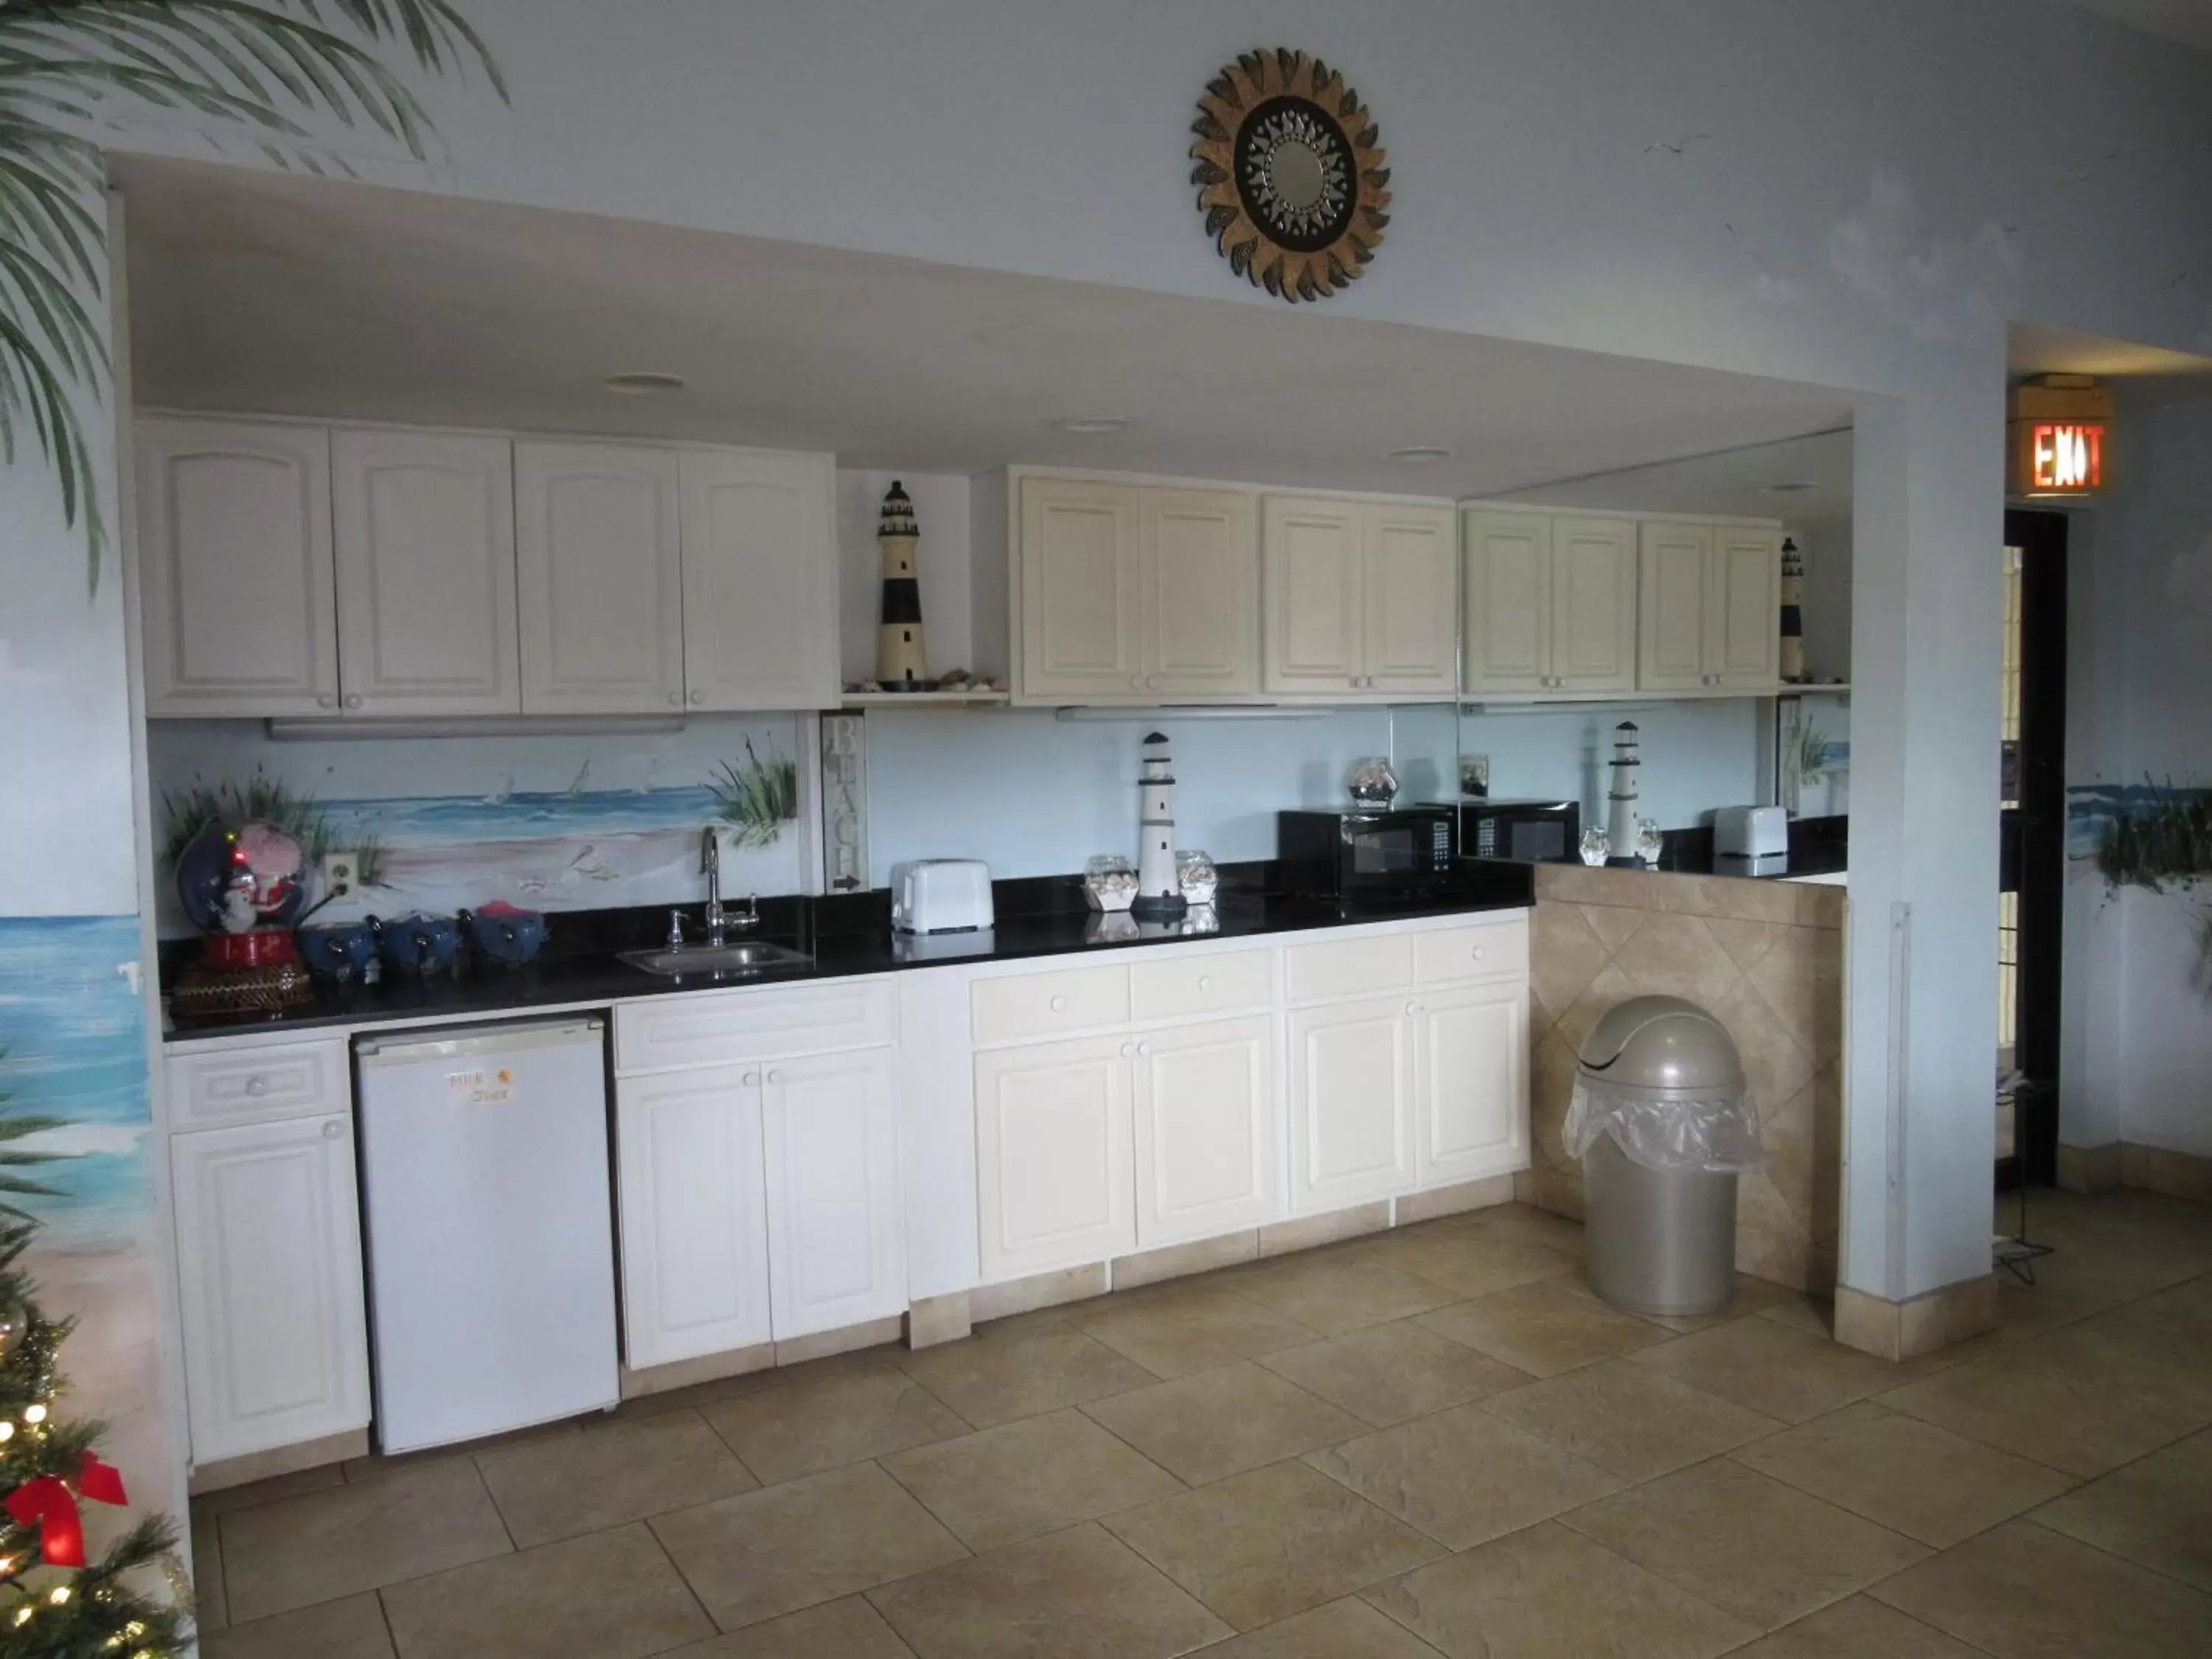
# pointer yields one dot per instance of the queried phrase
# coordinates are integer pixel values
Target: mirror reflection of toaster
(1750, 832)
(940, 896)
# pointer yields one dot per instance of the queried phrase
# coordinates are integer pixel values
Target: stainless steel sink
(753, 956)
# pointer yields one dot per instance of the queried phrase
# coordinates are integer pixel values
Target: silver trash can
(1663, 1124)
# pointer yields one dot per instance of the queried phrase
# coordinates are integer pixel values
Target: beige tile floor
(1426, 1443)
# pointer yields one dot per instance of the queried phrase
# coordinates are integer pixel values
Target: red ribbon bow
(49, 1503)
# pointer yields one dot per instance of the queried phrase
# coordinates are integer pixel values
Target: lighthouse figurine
(1620, 823)
(902, 660)
(1793, 612)
(1159, 894)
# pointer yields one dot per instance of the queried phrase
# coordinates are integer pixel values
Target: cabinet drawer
(1352, 966)
(720, 1029)
(257, 1086)
(1046, 1004)
(1201, 984)
(1491, 949)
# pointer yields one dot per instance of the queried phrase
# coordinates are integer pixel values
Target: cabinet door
(1509, 601)
(1053, 1176)
(1471, 1071)
(598, 579)
(1080, 584)
(235, 563)
(270, 1283)
(1205, 1150)
(1311, 595)
(1673, 600)
(1746, 628)
(425, 546)
(1198, 587)
(1411, 608)
(694, 1214)
(1351, 1104)
(760, 579)
(837, 1237)
(1594, 604)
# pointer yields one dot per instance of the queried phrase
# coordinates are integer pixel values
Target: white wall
(1857, 195)
(2136, 1041)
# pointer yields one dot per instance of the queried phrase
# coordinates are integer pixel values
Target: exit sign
(2065, 457)
(2060, 424)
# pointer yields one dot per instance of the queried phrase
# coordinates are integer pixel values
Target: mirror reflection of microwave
(1526, 832)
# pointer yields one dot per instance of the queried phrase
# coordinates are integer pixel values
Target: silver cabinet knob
(1205, 981)
(334, 1130)
(776, 1077)
(354, 700)
(675, 699)
(1143, 1048)
(1059, 1005)
(1476, 953)
(753, 1080)
(698, 696)
(1151, 682)
(257, 1086)
(1128, 1050)
(327, 700)
(1136, 682)
(1413, 1007)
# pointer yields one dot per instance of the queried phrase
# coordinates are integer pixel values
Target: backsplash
(550, 823)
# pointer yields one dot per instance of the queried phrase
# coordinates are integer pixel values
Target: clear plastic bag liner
(1715, 1133)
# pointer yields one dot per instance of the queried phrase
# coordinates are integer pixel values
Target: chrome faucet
(710, 862)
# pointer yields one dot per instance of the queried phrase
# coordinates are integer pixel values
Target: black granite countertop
(846, 935)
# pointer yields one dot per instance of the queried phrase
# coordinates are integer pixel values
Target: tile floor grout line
(2115, 1555)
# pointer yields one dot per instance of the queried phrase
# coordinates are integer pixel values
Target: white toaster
(940, 896)
(1750, 832)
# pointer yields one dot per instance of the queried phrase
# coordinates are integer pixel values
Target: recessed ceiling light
(643, 383)
(1094, 425)
(1421, 453)
(1796, 487)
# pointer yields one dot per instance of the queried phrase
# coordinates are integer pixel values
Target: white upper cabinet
(760, 579)
(234, 565)
(1411, 610)
(424, 524)
(1079, 579)
(1748, 630)
(1711, 609)
(1675, 599)
(1358, 597)
(600, 579)
(1198, 591)
(1314, 590)
(1509, 586)
(1593, 605)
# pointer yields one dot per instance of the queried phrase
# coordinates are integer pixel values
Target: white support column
(1920, 1050)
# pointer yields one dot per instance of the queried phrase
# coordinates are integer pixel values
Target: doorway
(2032, 846)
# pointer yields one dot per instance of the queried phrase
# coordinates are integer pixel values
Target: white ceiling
(253, 291)
(1736, 483)
(2032, 348)
(2189, 22)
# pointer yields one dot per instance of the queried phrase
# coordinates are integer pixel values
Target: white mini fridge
(489, 1227)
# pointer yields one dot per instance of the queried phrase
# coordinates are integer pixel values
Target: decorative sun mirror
(1290, 174)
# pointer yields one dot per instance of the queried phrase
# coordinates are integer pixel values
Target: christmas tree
(55, 1602)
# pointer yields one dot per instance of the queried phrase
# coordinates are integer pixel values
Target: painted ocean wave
(74, 1033)
(2090, 807)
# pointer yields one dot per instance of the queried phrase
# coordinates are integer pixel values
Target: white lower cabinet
(1470, 1081)
(1351, 1103)
(269, 1274)
(1053, 1151)
(1205, 1144)
(836, 1251)
(693, 1210)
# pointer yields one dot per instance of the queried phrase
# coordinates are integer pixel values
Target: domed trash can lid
(1663, 1078)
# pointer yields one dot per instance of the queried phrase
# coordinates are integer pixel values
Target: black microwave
(1384, 853)
(1526, 832)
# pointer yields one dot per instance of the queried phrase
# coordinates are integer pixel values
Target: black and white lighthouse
(902, 660)
(1159, 892)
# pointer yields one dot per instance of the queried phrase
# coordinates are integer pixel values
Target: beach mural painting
(545, 822)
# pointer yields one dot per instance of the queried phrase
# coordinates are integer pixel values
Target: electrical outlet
(341, 875)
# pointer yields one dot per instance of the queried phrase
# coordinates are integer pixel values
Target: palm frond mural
(261, 69)
(14, 1126)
